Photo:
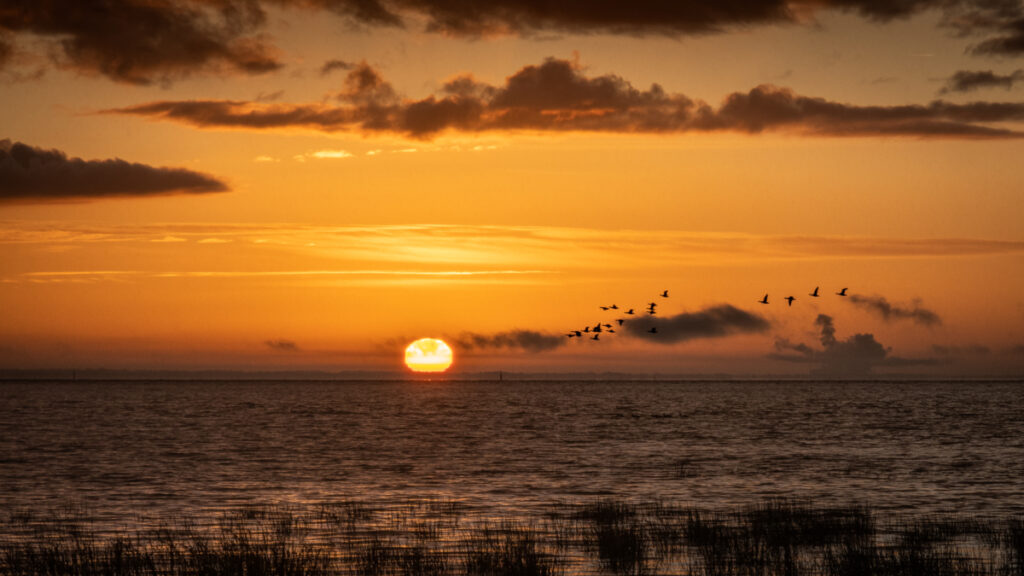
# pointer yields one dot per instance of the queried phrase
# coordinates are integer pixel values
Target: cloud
(524, 340)
(332, 65)
(713, 322)
(879, 305)
(557, 96)
(29, 174)
(856, 356)
(1009, 42)
(141, 42)
(331, 154)
(282, 345)
(966, 81)
(960, 351)
(145, 41)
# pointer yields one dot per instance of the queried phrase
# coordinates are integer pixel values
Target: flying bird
(597, 328)
(587, 329)
(841, 292)
(815, 293)
(614, 307)
(664, 294)
(764, 300)
(604, 308)
(607, 325)
(630, 311)
(653, 330)
(790, 299)
(621, 321)
(596, 337)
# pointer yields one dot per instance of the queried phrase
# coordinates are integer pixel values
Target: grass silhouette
(446, 538)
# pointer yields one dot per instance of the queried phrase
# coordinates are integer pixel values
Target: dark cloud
(282, 345)
(856, 356)
(525, 340)
(29, 174)
(960, 351)
(966, 81)
(142, 41)
(714, 322)
(557, 96)
(888, 311)
(333, 65)
(1008, 42)
(6, 50)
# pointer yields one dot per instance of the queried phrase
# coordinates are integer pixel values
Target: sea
(135, 451)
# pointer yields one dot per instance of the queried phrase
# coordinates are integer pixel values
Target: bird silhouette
(597, 328)
(621, 321)
(614, 307)
(587, 329)
(578, 333)
(841, 292)
(815, 293)
(790, 299)
(596, 337)
(610, 330)
(571, 335)
(630, 311)
(604, 308)
(664, 294)
(653, 330)
(607, 325)
(764, 300)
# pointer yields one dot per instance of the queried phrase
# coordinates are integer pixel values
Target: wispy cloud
(514, 340)
(331, 154)
(968, 81)
(915, 312)
(557, 96)
(484, 245)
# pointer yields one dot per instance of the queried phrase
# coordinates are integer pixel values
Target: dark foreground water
(161, 449)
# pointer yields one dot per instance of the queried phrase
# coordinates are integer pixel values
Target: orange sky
(494, 181)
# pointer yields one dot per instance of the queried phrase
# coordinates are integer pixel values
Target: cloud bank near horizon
(856, 356)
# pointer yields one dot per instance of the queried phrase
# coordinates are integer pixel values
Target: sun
(428, 355)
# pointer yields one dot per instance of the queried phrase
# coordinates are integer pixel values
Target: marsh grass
(447, 538)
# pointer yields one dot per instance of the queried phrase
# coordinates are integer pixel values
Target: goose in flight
(621, 321)
(815, 293)
(664, 294)
(790, 299)
(841, 292)
(764, 300)
(653, 330)
(630, 311)
(596, 337)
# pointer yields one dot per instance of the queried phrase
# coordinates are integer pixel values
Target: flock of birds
(595, 331)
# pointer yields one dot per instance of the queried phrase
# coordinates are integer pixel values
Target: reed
(431, 538)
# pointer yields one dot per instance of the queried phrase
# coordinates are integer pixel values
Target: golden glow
(428, 355)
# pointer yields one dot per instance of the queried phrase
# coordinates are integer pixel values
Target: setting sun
(428, 355)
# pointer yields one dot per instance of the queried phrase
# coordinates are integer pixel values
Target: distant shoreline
(109, 375)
